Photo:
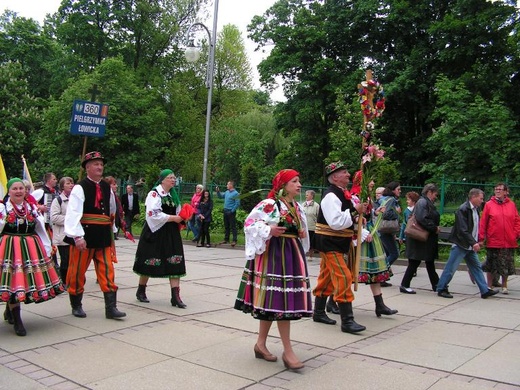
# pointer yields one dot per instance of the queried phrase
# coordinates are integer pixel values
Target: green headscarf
(12, 181)
(164, 173)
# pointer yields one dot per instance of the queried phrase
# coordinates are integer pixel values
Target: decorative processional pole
(368, 90)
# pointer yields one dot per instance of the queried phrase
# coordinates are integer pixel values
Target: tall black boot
(141, 293)
(111, 311)
(348, 324)
(331, 306)
(319, 314)
(381, 308)
(77, 307)
(176, 298)
(8, 316)
(18, 324)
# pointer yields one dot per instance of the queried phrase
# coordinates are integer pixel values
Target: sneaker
(489, 293)
(208, 246)
(504, 291)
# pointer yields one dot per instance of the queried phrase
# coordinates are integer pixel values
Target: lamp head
(192, 53)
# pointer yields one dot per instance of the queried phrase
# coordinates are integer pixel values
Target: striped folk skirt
(26, 273)
(275, 284)
(373, 267)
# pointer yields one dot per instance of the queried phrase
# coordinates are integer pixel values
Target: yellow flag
(3, 179)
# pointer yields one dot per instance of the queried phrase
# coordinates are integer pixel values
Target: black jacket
(135, 205)
(461, 234)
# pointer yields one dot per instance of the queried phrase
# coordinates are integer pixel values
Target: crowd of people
(80, 222)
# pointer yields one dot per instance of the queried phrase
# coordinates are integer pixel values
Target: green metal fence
(451, 193)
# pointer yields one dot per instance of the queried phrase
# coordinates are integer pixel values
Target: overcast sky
(237, 12)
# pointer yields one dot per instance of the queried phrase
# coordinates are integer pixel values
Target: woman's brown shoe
(295, 366)
(266, 356)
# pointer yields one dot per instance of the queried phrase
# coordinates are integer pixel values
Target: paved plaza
(432, 343)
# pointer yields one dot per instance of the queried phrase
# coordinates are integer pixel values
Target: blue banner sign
(88, 118)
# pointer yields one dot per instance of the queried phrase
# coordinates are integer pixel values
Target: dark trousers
(64, 251)
(204, 233)
(128, 221)
(412, 269)
(230, 224)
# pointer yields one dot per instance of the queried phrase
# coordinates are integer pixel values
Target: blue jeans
(474, 267)
(390, 246)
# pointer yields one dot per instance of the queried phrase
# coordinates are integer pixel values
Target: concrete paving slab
(486, 312)
(432, 343)
(361, 375)
(94, 359)
(437, 345)
(498, 362)
(172, 374)
(10, 380)
(176, 339)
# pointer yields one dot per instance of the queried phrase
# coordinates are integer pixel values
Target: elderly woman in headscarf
(275, 283)
(27, 273)
(160, 253)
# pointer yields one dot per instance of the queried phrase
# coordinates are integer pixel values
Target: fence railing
(451, 193)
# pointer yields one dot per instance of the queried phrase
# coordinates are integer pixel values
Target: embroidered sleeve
(257, 227)
(155, 217)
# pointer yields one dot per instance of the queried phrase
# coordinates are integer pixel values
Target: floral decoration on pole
(368, 91)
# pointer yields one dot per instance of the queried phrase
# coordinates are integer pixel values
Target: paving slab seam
(37, 373)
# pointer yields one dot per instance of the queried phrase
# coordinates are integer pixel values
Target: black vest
(96, 236)
(325, 243)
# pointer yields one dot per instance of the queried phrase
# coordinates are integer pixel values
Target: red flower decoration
(154, 194)
(150, 213)
(268, 208)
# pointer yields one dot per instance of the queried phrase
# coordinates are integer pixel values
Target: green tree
(19, 117)
(248, 184)
(476, 138)
(22, 40)
(137, 132)
(320, 49)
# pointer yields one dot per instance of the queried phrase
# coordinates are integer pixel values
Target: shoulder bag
(414, 230)
(390, 219)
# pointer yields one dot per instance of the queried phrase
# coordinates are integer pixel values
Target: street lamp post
(192, 55)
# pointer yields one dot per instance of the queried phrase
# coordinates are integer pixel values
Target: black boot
(381, 308)
(331, 306)
(141, 293)
(176, 298)
(111, 311)
(77, 307)
(348, 324)
(8, 315)
(18, 324)
(319, 314)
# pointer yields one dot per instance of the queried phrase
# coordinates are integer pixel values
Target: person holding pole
(333, 238)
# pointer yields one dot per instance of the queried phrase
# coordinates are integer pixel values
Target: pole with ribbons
(368, 90)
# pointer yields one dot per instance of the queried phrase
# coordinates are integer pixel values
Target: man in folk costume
(88, 226)
(333, 238)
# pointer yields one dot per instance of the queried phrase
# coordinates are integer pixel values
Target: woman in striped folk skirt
(27, 272)
(275, 283)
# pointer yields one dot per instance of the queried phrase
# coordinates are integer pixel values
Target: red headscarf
(280, 179)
